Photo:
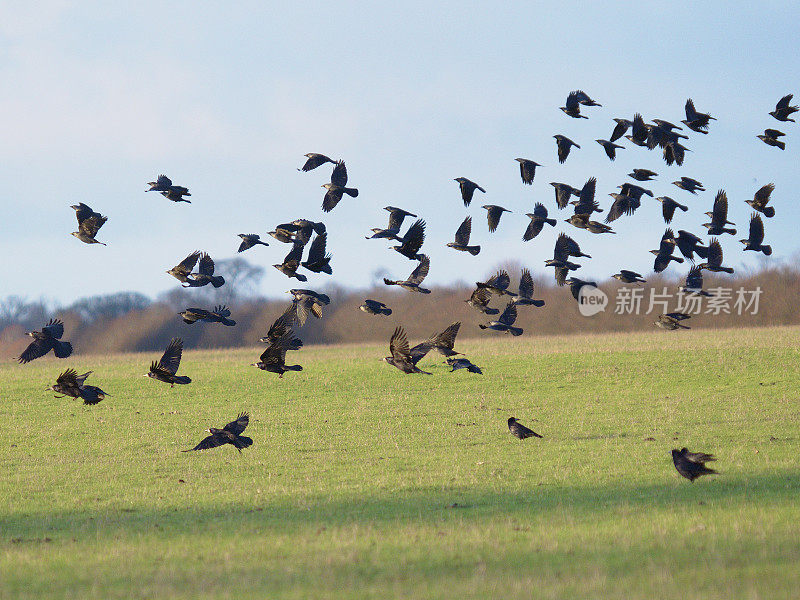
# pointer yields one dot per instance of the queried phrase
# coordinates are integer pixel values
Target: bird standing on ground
(691, 465)
(467, 188)
(518, 430)
(167, 367)
(337, 187)
(89, 223)
(48, 338)
(230, 434)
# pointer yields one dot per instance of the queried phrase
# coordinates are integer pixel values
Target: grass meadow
(364, 482)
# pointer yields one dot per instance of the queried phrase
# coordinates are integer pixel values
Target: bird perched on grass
(564, 145)
(664, 253)
(518, 430)
(691, 465)
(719, 216)
(273, 359)
(315, 160)
(230, 434)
(642, 174)
(463, 363)
(563, 192)
(373, 307)
(696, 121)
(497, 283)
(291, 263)
(220, 314)
(714, 259)
(69, 383)
(418, 275)
(467, 188)
(412, 241)
(761, 199)
(89, 223)
(755, 240)
(527, 170)
(626, 276)
(689, 184)
(783, 110)
(306, 301)
(182, 270)
(493, 215)
(205, 274)
(48, 338)
(480, 300)
(526, 291)
(167, 367)
(401, 353)
(694, 283)
(318, 261)
(392, 231)
(538, 220)
(672, 321)
(337, 187)
(505, 321)
(770, 138)
(249, 240)
(610, 148)
(461, 241)
(668, 206)
(573, 107)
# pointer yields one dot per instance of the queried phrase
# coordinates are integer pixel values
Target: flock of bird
(300, 233)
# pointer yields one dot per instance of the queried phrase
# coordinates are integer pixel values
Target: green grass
(367, 483)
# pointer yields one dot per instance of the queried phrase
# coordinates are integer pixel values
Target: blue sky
(99, 99)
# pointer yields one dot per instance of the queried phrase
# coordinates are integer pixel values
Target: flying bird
(373, 307)
(538, 220)
(755, 240)
(305, 301)
(291, 263)
(626, 276)
(392, 231)
(461, 241)
(205, 274)
(69, 383)
(642, 174)
(719, 216)
(230, 434)
(89, 223)
(412, 241)
(672, 321)
(315, 160)
(691, 465)
(564, 145)
(610, 148)
(220, 314)
(770, 138)
(182, 270)
(694, 283)
(689, 184)
(463, 363)
(573, 107)
(696, 121)
(48, 338)
(668, 206)
(161, 184)
(526, 291)
(620, 129)
(761, 199)
(689, 244)
(563, 192)
(527, 170)
(167, 367)
(337, 187)
(505, 321)
(249, 240)
(400, 353)
(576, 286)
(273, 359)
(518, 430)
(318, 261)
(412, 284)
(664, 253)
(479, 300)
(493, 214)
(714, 260)
(467, 188)
(498, 284)
(783, 110)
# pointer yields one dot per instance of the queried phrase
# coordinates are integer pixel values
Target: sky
(100, 98)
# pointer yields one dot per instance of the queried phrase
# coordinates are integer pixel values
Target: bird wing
(561, 249)
(509, 314)
(501, 280)
(639, 131)
(620, 129)
(212, 441)
(691, 113)
(292, 260)
(720, 210)
(92, 224)
(783, 103)
(69, 378)
(463, 232)
(756, 229)
(414, 237)
(572, 102)
(714, 253)
(283, 323)
(396, 217)
(339, 174)
(563, 149)
(316, 252)
(447, 338)
(239, 425)
(526, 284)
(331, 199)
(188, 263)
(206, 266)
(694, 279)
(398, 346)
(171, 359)
(481, 297)
(222, 311)
(493, 214)
(540, 210)
(586, 197)
(83, 212)
(421, 272)
(54, 328)
(763, 194)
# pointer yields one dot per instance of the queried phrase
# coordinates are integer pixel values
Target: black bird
(526, 291)
(564, 145)
(689, 244)
(622, 205)
(176, 193)
(527, 170)
(696, 121)
(538, 219)
(373, 307)
(308, 300)
(714, 260)
(249, 240)
(563, 193)
(461, 241)
(315, 160)
(626, 276)
(480, 300)
(581, 221)
(337, 187)
(205, 274)
(694, 283)
(691, 465)
(166, 368)
(220, 314)
(467, 188)
(161, 184)
(668, 207)
(689, 184)
(564, 247)
(69, 383)
(783, 110)
(412, 284)
(642, 174)
(45, 340)
(586, 203)
(576, 285)
(283, 235)
(675, 153)
(230, 434)
(303, 230)
(318, 261)
(584, 98)
(620, 129)
(518, 430)
(661, 134)
(761, 199)
(610, 148)
(664, 252)
(719, 216)
(441, 342)
(573, 107)
(672, 321)
(770, 138)
(633, 190)
(463, 363)
(639, 131)
(282, 326)
(273, 359)
(89, 223)
(493, 215)
(182, 270)
(505, 322)
(291, 263)
(392, 231)
(401, 353)
(498, 284)
(412, 241)
(755, 241)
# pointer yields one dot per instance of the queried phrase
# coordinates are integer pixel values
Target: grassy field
(367, 483)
